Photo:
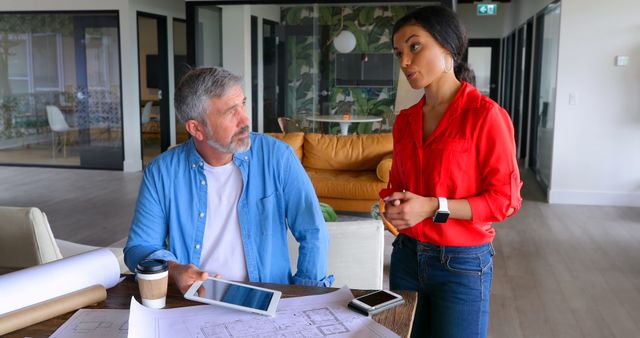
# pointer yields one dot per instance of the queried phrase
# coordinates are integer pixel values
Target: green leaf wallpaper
(311, 59)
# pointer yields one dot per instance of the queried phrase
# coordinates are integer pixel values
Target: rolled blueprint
(25, 288)
(48, 309)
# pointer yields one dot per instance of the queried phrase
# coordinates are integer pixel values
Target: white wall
(486, 27)
(596, 156)
(236, 42)
(269, 12)
(522, 10)
(208, 37)
(596, 147)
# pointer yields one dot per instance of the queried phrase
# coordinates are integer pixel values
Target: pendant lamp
(345, 41)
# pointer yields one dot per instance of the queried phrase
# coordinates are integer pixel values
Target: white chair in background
(148, 125)
(58, 125)
(146, 113)
(149, 122)
(26, 240)
(356, 253)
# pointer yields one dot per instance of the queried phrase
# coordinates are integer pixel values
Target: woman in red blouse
(454, 173)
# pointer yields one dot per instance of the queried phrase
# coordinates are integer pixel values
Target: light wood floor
(560, 270)
(86, 206)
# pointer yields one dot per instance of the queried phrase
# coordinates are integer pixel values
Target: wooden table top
(398, 319)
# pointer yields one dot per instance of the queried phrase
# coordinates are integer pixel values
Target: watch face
(440, 217)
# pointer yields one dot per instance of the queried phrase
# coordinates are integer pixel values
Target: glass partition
(545, 92)
(60, 90)
(327, 59)
(333, 63)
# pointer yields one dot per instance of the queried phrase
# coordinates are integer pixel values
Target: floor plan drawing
(91, 326)
(321, 316)
(93, 323)
(319, 321)
(312, 316)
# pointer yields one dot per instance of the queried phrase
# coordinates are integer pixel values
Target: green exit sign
(487, 9)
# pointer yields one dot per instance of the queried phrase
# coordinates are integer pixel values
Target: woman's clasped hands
(406, 209)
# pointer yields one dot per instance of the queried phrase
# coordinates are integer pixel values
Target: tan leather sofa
(347, 172)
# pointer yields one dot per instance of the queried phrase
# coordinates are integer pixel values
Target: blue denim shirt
(170, 215)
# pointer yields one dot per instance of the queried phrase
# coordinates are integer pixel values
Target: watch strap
(443, 205)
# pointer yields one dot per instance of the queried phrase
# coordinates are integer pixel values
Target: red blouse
(470, 154)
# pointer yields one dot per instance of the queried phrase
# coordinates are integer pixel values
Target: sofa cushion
(294, 140)
(350, 152)
(384, 168)
(346, 184)
(345, 204)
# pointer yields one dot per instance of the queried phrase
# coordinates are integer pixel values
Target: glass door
(544, 94)
(154, 85)
(60, 90)
(483, 57)
(97, 103)
(270, 75)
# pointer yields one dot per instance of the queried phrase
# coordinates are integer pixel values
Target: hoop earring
(446, 69)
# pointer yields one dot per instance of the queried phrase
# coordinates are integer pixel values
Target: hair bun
(464, 73)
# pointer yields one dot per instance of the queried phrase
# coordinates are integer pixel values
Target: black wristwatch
(442, 214)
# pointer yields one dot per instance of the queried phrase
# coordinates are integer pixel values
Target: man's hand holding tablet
(184, 275)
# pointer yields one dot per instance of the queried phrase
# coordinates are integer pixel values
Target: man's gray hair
(197, 87)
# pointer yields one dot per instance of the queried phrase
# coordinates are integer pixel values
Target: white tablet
(235, 295)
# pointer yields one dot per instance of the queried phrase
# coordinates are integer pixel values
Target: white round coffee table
(344, 123)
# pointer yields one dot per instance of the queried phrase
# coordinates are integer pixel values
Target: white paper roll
(43, 282)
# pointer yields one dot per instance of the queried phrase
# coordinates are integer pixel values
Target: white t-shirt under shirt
(222, 249)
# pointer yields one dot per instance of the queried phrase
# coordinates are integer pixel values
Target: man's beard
(234, 146)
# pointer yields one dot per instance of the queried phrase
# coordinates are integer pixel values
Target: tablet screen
(235, 294)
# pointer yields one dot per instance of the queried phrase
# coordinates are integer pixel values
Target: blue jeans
(453, 284)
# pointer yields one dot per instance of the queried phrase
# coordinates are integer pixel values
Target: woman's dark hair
(447, 29)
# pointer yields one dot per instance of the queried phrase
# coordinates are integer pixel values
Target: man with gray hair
(221, 203)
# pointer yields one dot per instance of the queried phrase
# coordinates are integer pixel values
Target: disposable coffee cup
(153, 277)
